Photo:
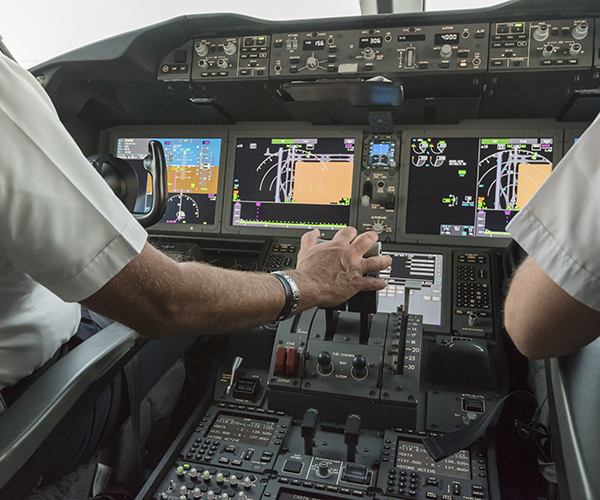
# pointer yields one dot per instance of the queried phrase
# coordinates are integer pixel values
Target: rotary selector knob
(183, 491)
(312, 63)
(575, 49)
(446, 51)
(229, 47)
(541, 33)
(369, 54)
(180, 471)
(547, 51)
(378, 227)
(325, 364)
(222, 63)
(323, 469)
(210, 495)
(580, 31)
(247, 482)
(206, 475)
(197, 492)
(201, 48)
(233, 480)
(220, 477)
(203, 63)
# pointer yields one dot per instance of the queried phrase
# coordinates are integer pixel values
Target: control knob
(575, 49)
(229, 47)
(201, 48)
(220, 478)
(233, 480)
(580, 31)
(193, 473)
(446, 51)
(541, 33)
(210, 495)
(378, 227)
(323, 470)
(247, 482)
(359, 365)
(548, 50)
(203, 63)
(197, 492)
(369, 54)
(325, 364)
(312, 63)
(222, 63)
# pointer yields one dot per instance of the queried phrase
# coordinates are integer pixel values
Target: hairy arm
(543, 320)
(157, 296)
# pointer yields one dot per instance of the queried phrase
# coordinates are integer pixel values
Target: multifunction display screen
(412, 455)
(293, 183)
(420, 267)
(252, 431)
(382, 153)
(473, 186)
(192, 176)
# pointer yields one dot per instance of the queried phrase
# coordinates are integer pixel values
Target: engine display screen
(252, 431)
(469, 186)
(192, 176)
(412, 455)
(293, 183)
(426, 268)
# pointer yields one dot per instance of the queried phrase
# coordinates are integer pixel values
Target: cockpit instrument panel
(194, 174)
(473, 185)
(294, 182)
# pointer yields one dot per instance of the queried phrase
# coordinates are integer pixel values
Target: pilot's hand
(330, 273)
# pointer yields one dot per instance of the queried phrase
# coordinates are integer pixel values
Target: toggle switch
(280, 360)
(291, 365)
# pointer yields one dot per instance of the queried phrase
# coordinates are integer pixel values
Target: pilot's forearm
(542, 319)
(157, 296)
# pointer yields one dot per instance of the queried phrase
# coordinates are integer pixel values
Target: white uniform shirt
(560, 226)
(63, 233)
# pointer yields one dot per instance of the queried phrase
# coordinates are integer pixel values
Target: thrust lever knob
(324, 360)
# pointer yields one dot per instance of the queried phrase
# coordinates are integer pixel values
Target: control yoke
(156, 166)
(123, 180)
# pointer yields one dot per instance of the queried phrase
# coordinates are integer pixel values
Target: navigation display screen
(425, 268)
(412, 455)
(193, 176)
(253, 431)
(293, 183)
(473, 186)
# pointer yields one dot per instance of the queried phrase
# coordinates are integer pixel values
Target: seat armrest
(574, 396)
(29, 421)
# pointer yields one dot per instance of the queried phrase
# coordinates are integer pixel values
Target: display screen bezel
(405, 162)
(176, 132)
(229, 227)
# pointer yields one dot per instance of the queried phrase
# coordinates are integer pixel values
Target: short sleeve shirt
(560, 226)
(63, 233)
